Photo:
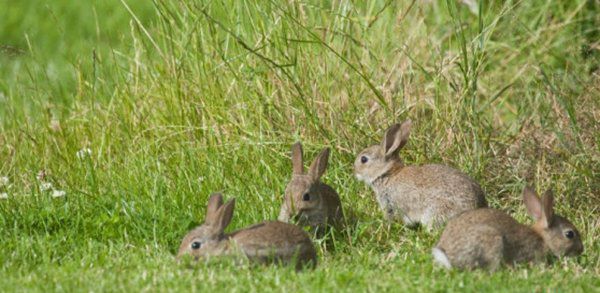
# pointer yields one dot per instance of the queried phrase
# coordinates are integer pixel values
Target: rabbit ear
(223, 216)
(396, 137)
(297, 162)
(214, 203)
(319, 165)
(548, 208)
(532, 203)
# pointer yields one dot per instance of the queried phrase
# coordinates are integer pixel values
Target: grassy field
(138, 110)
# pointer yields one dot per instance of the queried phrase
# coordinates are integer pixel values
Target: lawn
(118, 118)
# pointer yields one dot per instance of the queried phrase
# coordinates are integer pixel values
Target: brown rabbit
(266, 242)
(486, 238)
(307, 200)
(428, 194)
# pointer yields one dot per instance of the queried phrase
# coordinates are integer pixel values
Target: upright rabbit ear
(319, 165)
(395, 138)
(214, 203)
(223, 216)
(548, 208)
(297, 163)
(532, 203)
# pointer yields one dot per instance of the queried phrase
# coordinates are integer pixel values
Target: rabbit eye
(306, 197)
(364, 159)
(570, 234)
(196, 245)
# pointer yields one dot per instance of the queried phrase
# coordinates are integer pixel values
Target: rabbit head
(377, 160)
(559, 234)
(304, 200)
(209, 238)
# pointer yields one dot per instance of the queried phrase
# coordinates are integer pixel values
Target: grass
(177, 99)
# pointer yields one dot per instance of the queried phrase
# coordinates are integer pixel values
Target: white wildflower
(84, 152)
(3, 195)
(55, 125)
(473, 6)
(4, 181)
(45, 186)
(41, 176)
(200, 179)
(58, 193)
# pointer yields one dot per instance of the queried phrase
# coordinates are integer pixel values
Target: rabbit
(487, 238)
(307, 200)
(267, 242)
(426, 195)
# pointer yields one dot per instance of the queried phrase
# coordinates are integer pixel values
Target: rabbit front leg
(284, 214)
(386, 207)
(391, 211)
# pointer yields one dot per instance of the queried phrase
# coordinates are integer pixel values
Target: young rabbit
(486, 238)
(307, 200)
(428, 195)
(266, 242)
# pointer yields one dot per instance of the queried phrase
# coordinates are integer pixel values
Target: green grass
(177, 100)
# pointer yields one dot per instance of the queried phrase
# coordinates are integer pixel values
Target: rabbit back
(275, 241)
(484, 249)
(428, 194)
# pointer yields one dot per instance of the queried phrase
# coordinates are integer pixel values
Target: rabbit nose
(580, 248)
(575, 250)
